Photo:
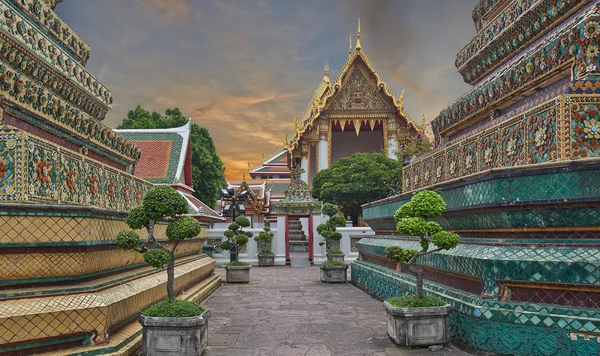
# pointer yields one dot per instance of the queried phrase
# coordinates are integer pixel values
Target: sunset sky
(245, 68)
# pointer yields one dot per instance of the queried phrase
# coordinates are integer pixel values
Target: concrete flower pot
(237, 274)
(174, 336)
(336, 257)
(333, 274)
(418, 327)
(266, 260)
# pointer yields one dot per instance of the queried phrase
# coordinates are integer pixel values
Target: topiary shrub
(411, 220)
(159, 203)
(178, 309)
(236, 237)
(264, 240)
(328, 229)
(412, 301)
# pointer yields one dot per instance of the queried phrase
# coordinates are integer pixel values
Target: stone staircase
(298, 240)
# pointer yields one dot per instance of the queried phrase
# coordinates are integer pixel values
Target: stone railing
(563, 129)
(34, 170)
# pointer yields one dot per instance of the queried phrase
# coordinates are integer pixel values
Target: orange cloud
(171, 9)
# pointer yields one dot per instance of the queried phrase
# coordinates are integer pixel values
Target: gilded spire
(326, 72)
(358, 36)
(350, 49)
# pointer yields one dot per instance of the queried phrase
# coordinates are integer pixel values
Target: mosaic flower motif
(138, 197)
(511, 146)
(592, 128)
(487, 155)
(11, 144)
(529, 67)
(112, 190)
(540, 137)
(43, 172)
(94, 184)
(72, 180)
(469, 162)
(452, 167)
(592, 51)
(591, 30)
(438, 172)
(126, 194)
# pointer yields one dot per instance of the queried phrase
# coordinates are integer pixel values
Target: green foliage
(136, 218)
(333, 263)
(177, 309)
(330, 209)
(128, 240)
(338, 221)
(405, 211)
(266, 252)
(412, 226)
(242, 221)
(398, 255)
(356, 180)
(233, 227)
(433, 228)
(445, 240)
(237, 263)
(208, 174)
(162, 201)
(226, 245)
(336, 252)
(183, 228)
(335, 236)
(228, 234)
(412, 301)
(419, 144)
(427, 204)
(242, 239)
(157, 257)
(264, 240)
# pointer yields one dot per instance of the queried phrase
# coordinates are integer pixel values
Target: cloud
(172, 10)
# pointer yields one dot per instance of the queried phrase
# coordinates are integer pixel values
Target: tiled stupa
(65, 189)
(517, 160)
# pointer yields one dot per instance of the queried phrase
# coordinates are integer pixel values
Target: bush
(336, 252)
(128, 240)
(177, 309)
(412, 301)
(237, 263)
(333, 263)
(157, 257)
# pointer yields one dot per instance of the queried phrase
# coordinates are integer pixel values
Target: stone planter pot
(336, 257)
(418, 327)
(333, 274)
(266, 260)
(174, 336)
(237, 274)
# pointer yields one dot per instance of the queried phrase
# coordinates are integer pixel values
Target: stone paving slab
(286, 311)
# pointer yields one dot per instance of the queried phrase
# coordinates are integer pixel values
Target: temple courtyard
(288, 311)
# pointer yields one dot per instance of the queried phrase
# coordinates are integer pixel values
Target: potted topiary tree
(235, 270)
(170, 325)
(416, 320)
(266, 257)
(332, 271)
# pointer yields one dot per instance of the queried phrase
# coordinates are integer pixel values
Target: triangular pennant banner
(357, 123)
(372, 124)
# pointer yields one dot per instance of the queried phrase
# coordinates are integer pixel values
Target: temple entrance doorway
(299, 239)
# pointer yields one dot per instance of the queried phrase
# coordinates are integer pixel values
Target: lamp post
(233, 208)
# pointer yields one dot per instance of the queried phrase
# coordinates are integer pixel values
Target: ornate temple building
(66, 185)
(356, 112)
(517, 162)
(166, 158)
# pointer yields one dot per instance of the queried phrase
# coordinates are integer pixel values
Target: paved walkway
(287, 311)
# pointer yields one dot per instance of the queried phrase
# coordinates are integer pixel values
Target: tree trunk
(419, 285)
(171, 274)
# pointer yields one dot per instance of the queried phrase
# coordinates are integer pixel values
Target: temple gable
(357, 93)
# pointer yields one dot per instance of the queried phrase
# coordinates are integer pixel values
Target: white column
(278, 242)
(392, 147)
(319, 252)
(323, 155)
(304, 165)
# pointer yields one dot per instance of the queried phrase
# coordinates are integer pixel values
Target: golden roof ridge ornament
(326, 72)
(358, 36)
(350, 48)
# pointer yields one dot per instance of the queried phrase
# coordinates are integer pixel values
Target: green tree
(356, 180)
(411, 220)
(236, 237)
(264, 240)
(160, 202)
(328, 228)
(208, 174)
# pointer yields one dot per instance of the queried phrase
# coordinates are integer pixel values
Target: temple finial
(358, 36)
(326, 71)
(350, 49)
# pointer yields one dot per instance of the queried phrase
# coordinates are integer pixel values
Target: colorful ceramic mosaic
(35, 170)
(522, 329)
(481, 10)
(570, 43)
